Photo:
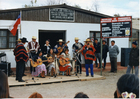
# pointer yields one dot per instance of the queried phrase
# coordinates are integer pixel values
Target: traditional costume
(89, 54)
(56, 46)
(21, 57)
(40, 69)
(66, 66)
(76, 47)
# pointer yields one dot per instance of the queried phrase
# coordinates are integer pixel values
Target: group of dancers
(51, 60)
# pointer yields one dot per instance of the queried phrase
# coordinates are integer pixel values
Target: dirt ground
(94, 89)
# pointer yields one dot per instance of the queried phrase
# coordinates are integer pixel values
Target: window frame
(95, 36)
(7, 38)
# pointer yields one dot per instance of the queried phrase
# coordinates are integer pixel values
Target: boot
(52, 72)
(69, 72)
(42, 74)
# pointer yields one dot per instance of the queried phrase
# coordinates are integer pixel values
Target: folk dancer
(24, 40)
(40, 70)
(33, 48)
(50, 63)
(60, 45)
(77, 47)
(46, 48)
(89, 53)
(66, 67)
(21, 57)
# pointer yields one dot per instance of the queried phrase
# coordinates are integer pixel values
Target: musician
(77, 47)
(89, 53)
(21, 57)
(47, 47)
(60, 45)
(67, 67)
(33, 48)
(51, 63)
(40, 70)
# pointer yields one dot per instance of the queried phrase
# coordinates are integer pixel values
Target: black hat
(24, 40)
(104, 41)
(135, 43)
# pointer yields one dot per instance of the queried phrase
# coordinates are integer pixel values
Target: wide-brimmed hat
(88, 40)
(33, 37)
(19, 40)
(76, 38)
(24, 40)
(60, 40)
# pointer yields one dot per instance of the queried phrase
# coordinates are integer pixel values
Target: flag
(13, 28)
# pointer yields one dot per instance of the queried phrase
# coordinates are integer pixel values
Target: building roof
(57, 6)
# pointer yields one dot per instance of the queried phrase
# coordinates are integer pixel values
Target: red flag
(13, 28)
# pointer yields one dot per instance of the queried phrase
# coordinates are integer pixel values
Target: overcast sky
(108, 7)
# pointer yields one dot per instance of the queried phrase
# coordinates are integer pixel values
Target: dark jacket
(46, 49)
(105, 50)
(134, 57)
(97, 47)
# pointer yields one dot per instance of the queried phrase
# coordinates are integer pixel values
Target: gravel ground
(94, 89)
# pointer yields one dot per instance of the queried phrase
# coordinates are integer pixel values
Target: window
(7, 40)
(96, 34)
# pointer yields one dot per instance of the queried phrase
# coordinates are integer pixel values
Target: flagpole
(20, 22)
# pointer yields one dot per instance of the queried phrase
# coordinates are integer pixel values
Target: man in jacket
(113, 52)
(133, 59)
(104, 53)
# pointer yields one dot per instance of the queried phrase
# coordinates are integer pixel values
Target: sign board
(61, 14)
(116, 27)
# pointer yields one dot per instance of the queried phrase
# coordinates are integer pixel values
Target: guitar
(62, 61)
(40, 61)
(60, 49)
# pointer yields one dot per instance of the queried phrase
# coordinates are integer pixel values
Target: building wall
(81, 30)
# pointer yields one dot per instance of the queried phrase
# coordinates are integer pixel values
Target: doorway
(52, 35)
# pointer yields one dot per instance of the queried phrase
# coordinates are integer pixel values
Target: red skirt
(61, 68)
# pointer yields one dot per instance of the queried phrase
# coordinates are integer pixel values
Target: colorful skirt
(61, 68)
(39, 69)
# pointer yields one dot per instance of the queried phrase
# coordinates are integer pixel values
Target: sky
(108, 7)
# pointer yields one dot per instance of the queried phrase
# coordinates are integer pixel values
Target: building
(52, 22)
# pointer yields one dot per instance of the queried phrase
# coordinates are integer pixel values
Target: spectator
(134, 59)
(104, 54)
(81, 95)
(36, 95)
(113, 52)
(127, 86)
(4, 88)
(97, 46)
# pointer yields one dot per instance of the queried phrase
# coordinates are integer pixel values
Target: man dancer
(77, 47)
(21, 57)
(33, 48)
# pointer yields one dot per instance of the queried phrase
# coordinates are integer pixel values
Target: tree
(77, 6)
(117, 15)
(95, 6)
(33, 2)
(55, 2)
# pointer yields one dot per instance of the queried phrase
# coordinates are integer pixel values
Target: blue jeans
(91, 69)
(136, 70)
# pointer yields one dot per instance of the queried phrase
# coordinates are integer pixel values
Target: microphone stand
(31, 72)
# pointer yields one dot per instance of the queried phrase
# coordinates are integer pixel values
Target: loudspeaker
(4, 67)
(125, 52)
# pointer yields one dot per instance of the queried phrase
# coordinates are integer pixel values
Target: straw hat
(19, 40)
(33, 37)
(76, 38)
(88, 40)
(60, 40)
